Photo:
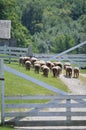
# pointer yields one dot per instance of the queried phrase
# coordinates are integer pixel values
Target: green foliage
(63, 42)
(78, 9)
(32, 17)
(10, 10)
(49, 26)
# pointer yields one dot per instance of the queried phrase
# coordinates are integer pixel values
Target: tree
(49, 26)
(63, 42)
(78, 8)
(32, 17)
(10, 10)
(59, 44)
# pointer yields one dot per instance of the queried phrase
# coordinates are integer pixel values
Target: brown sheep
(27, 65)
(49, 64)
(21, 60)
(42, 62)
(45, 70)
(42, 67)
(37, 68)
(66, 64)
(33, 60)
(58, 64)
(68, 71)
(76, 72)
(56, 71)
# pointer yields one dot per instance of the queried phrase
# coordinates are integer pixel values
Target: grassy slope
(56, 82)
(15, 85)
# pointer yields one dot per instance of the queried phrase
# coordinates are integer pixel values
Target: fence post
(9, 55)
(68, 110)
(2, 90)
(29, 51)
(5, 49)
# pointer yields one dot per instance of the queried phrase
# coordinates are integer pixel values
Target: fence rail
(13, 52)
(64, 106)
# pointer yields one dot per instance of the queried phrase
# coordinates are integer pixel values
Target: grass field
(83, 71)
(6, 128)
(15, 85)
(56, 82)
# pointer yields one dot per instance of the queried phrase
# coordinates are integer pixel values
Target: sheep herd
(47, 66)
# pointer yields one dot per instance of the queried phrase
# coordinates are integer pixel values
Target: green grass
(83, 71)
(56, 82)
(15, 85)
(6, 128)
(27, 101)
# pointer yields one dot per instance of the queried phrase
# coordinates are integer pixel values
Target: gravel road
(75, 85)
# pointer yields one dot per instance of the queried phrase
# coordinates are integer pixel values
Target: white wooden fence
(10, 53)
(13, 51)
(67, 108)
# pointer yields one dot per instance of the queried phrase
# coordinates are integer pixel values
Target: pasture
(15, 85)
(56, 82)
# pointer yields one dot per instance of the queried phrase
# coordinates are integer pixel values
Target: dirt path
(76, 86)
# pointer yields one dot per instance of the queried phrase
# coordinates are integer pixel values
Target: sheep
(21, 60)
(33, 60)
(42, 67)
(49, 64)
(56, 71)
(37, 68)
(66, 64)
(42, 62)
(45, 70)
(76, 72)
(68, 71)
(58, 64)
(27, 65)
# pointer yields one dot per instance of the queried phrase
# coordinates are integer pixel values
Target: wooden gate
(57, 110)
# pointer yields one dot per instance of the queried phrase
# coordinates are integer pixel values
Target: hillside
(48, 26)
